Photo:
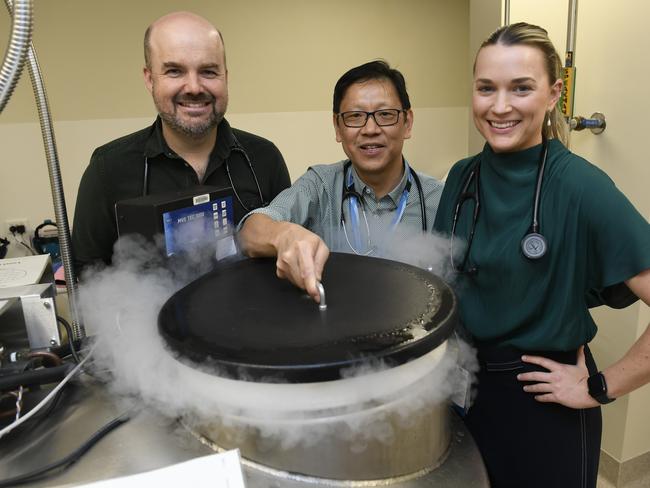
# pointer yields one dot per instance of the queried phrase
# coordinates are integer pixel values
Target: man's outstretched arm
(301, 254)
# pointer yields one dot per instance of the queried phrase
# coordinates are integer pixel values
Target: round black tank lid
(251, 325)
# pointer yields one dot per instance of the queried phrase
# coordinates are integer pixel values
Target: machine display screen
(210, 221)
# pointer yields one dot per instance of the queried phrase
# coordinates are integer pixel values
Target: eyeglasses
(358, 118)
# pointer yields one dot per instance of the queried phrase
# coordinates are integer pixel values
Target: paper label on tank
(461, 395)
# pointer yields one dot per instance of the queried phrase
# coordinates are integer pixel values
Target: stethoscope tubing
(538, 189)
(533, 231)
(354, 198)
(236, 147)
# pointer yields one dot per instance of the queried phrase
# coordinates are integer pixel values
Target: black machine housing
(185, 219)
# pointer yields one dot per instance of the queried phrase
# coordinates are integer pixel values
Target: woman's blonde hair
(525, 34)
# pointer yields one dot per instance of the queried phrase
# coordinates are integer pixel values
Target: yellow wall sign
(568, 91)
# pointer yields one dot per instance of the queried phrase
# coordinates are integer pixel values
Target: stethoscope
(236, 147)
(533, 245)
(354, 197)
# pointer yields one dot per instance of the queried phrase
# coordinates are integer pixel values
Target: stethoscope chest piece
(533, 245)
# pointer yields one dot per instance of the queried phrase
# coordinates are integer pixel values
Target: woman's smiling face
(511, 95)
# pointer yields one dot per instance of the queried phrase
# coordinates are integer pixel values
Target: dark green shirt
(116, 173)
(596, 239)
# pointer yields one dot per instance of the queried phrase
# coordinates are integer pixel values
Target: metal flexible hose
(12, 65)
(56, 184)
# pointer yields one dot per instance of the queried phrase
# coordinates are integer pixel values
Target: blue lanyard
(353, 205)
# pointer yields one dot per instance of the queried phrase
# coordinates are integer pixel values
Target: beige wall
(608, 77)
(485, 16)
(284, 57)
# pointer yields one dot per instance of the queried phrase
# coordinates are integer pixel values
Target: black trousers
(525, 443)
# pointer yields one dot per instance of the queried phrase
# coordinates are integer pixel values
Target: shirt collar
(225, 142)
(395, 194)
(156, 144)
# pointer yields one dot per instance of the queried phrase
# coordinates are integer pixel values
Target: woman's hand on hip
(565, 384)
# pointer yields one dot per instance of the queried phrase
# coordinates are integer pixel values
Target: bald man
(189, 144)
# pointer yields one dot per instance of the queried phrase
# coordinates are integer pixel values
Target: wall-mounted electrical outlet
(16, 225)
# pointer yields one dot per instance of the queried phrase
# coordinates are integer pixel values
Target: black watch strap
(598, 388)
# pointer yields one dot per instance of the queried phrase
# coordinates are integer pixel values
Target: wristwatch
(598, 388)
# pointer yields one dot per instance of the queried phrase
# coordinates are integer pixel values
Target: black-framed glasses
(359, 118)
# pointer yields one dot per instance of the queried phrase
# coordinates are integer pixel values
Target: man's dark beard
(194, 131)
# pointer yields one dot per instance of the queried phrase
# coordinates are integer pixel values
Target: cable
(46, 412)
(35, 377)
(45, 400)
(68, 330)
(19, 402)
(20, 241)
(27, 247)
(70, 459)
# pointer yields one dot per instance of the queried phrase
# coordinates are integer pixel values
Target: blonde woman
(538, 235)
